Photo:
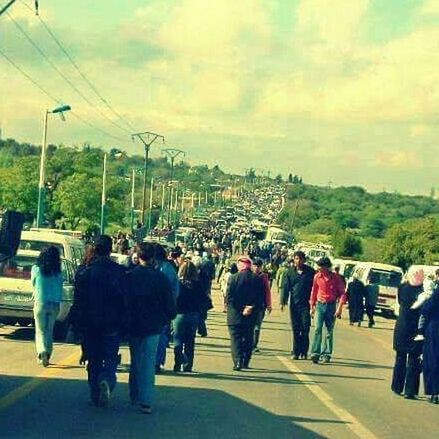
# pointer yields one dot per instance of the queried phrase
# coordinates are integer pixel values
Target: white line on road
(351, 421)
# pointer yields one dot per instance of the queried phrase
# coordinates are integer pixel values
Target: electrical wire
(53, 98)
(63, 76)
(81, 73)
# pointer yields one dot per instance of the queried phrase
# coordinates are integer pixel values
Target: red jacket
(267, 289)
(327, 288)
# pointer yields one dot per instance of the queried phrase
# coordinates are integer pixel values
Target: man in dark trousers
(98, 313)
(207, 275)
(245, 298)
(296, 290)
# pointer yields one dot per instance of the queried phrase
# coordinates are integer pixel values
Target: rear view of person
(190, 303)
(98, 315)
(47, 281)
(150, 305)
(356, 293)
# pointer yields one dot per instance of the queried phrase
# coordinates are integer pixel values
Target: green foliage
(413, 242)
(346, 244)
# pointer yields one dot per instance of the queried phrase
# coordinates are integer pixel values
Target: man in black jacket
(245, 298)
(296, 289)
(97, 314)
(150, 305)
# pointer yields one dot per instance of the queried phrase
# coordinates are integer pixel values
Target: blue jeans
(163, 344)
(143, 351)
(325, 314)
(45, 315)
(101, 351)
(185, 328)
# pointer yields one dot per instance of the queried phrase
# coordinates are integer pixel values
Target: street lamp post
(133, 184)
(150, 203)
(104, 195)
(41, 186)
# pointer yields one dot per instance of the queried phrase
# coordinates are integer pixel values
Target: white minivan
(71, 249)
(385, 277)
(16, 290)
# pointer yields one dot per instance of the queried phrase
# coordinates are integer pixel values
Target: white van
(16, 290)
(386, 277)
(70, 248)
(347, 266)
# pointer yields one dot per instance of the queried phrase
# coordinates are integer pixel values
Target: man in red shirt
(328, 289)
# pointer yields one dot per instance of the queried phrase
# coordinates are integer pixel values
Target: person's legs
(235, 344)
(202, 328)
(110, 350)
(161, 349)
(412, 377)
(296, 328)
(40, 328)
(179, 328)
(370, 310)
(247, 344)
(93, 343)
(189, 343)
(258, 326)
(399, 372)
(52, 311)
(329, 325)
(319, 316)
(134, 344)
(146, 378)
(305, 324)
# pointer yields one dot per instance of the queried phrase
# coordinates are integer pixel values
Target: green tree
(346, 244)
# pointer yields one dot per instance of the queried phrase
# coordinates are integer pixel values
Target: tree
(78, 197)
(278, 179)
(373, 226)
(290, 178)
(347, 244)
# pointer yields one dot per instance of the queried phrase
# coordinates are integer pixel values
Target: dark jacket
(192, 298)
(406, 326)
(245, 289)
(207, 274)
(98, 304)
(149, 301)
(296, 287)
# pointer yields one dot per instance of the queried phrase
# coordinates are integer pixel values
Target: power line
(63, 76)
(82, 74)
(53, 98)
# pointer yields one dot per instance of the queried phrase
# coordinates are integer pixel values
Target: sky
(341, 92)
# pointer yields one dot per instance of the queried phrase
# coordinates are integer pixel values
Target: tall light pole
(104, 195)
(150, 203)
(133, 184)
(172, 153)
(41, 186)
(147, 138)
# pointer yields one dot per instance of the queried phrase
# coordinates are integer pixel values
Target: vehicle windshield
(348, 270)
(18, 267)
(39, 245)
(385, 278)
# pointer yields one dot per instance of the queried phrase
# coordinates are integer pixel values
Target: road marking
(351, 421)
(20, 392)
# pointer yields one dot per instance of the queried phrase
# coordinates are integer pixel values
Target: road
(277, 398)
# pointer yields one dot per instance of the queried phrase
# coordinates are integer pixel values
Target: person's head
(135, 259)
(324, 264)
(49, 261)
(244, 263)
(160, 253)
(257, 265)
(90, 254)
(299, 259)
(416, 277)
(233, 268)
(337, 269)
(145, 253)
(188, 272)
(103, 246)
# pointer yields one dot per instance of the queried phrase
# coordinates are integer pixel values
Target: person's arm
(341, 293)
(267, 289)
(314, 291)
(285, 288)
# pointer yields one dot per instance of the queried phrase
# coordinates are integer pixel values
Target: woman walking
(407, 369)
(190, 302)
(47, 281)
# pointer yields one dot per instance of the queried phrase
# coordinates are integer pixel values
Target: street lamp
(41, 188)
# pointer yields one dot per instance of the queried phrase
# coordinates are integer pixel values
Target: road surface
(277, 398)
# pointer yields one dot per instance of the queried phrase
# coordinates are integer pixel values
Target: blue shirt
(46, 288)
(169, 271)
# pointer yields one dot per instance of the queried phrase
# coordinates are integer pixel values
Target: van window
(18, 267)
(348, 270)
(39, 245)
(78, 255)
(385, 278)
(67, 272)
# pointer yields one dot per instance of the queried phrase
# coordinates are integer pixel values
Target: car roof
(44, 236)
(379, 266)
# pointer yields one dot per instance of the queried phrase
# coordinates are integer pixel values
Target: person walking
(224, 282)
(355, 293)
(150, 304)
(407, 368)
(99, 314)
(207, 275)
(190, 303)
(47, 281)
(168, 269)
(295, 289)
(245, 298)
(371, 300)
(430, 311)
(257, 268)
(327, 290)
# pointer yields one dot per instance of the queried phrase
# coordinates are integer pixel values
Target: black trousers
(300, 324)
(370, 310)
(406, 373)
(241, 341)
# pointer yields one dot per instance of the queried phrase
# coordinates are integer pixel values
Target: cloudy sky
(341, 91)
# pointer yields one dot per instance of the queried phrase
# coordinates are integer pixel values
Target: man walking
(245, 298)
(295, 289)
(327, 289)
(98, 312)
(150, 305)
(207, 275)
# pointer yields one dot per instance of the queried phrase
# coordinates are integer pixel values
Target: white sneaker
(419, 337)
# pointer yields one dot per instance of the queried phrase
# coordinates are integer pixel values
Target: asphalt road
(277, 398)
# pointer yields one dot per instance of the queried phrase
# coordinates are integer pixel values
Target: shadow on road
(179, 413)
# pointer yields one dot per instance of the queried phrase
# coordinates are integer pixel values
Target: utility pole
(172, 153)
(147, 138)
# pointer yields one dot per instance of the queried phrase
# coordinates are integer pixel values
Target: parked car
(16, 290)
